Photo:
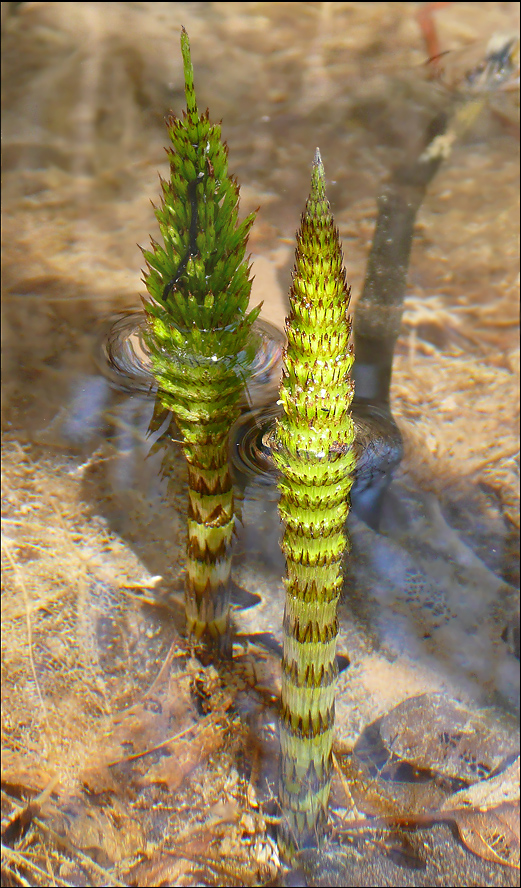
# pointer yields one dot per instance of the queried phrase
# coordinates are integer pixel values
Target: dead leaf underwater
(431, 760)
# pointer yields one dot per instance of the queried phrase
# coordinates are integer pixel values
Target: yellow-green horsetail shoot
(313, 450)
(199, 331)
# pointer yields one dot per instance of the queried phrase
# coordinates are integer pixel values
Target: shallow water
(94, 541)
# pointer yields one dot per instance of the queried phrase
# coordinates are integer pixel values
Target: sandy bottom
(146, 763)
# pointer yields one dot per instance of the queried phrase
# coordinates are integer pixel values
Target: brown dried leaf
(163, 870)
(21, 776)
(139, 729)
(432, 732)
(182, 869)
(409, 763)
(378, 796)
(153, 719)
(99, 779)
(187, 754)
(107, 834)
(504, 788)
(492, 834)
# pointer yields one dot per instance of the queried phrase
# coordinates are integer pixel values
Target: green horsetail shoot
(199, 335)
(313, 450)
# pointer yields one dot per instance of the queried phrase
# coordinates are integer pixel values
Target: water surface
(95, 666)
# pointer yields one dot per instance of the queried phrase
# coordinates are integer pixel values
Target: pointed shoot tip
(191, 103)
(318, 178)
(185, 43)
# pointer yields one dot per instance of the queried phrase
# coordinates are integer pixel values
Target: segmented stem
(314, 453)
(200, 340)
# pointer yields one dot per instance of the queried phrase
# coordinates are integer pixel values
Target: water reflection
(125, 358)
